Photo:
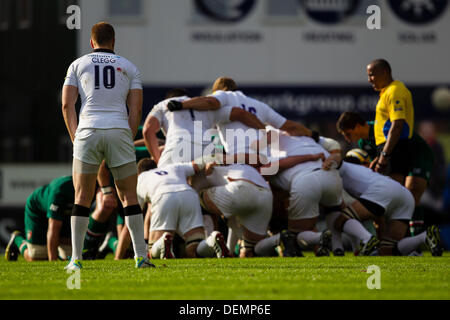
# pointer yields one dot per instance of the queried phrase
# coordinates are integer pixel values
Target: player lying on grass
(175, 207)
(47, 223)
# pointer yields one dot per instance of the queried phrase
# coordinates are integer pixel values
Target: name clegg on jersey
(101, 59)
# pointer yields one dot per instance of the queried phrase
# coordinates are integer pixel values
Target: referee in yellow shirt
(394, 127)
(393, 130)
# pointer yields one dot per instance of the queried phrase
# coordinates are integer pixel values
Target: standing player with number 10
(107, 84)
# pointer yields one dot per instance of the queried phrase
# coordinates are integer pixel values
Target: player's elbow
(65, 107)
(237, 114)
(213, 103)
(398, 124)
(295, 129)
(146, 130)
(149, 130)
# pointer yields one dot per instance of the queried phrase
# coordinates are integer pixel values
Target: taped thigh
(195, 238)
(124, 171)
(81, 167)
(350, 213)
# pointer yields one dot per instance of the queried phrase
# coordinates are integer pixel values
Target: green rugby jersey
(369, 145)
(54, 200)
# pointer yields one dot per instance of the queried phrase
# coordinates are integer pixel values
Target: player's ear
(92, 43)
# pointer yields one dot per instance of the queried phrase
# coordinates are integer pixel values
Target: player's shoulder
(61, 184)
(144, 175)
(220, 92)
(397, 88)
(79, 60)
(254, 101)
(123, 60)
(61, 180)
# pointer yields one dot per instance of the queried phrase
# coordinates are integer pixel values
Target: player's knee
(27, 256)
(297, 226)
(247, 248)
(340, 221)
(192, 242)
(150, 246)
(388, 246)
(350, 213)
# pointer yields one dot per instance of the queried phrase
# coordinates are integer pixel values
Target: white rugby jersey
(187, 125)
(103, 80)
(295, 146)
(357, 179)
(236, 171)
(261, 110)
(154, 183)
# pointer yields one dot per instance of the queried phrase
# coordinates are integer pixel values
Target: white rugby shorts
(312, 189)
(114, 145)
(393, 197)
(251, 204)
(177, 211)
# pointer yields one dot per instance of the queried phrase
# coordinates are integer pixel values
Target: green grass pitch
(346, 277)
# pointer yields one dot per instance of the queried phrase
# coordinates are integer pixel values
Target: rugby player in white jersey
(239, 192)
(175, 207)
(310, 184)
(380, 196)
(107, 84)
(188, 132)
(235, 136)
(225, 92)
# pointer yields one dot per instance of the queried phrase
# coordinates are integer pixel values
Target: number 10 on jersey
(109, 77)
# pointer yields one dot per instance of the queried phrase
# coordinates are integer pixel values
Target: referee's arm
(392, 139)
